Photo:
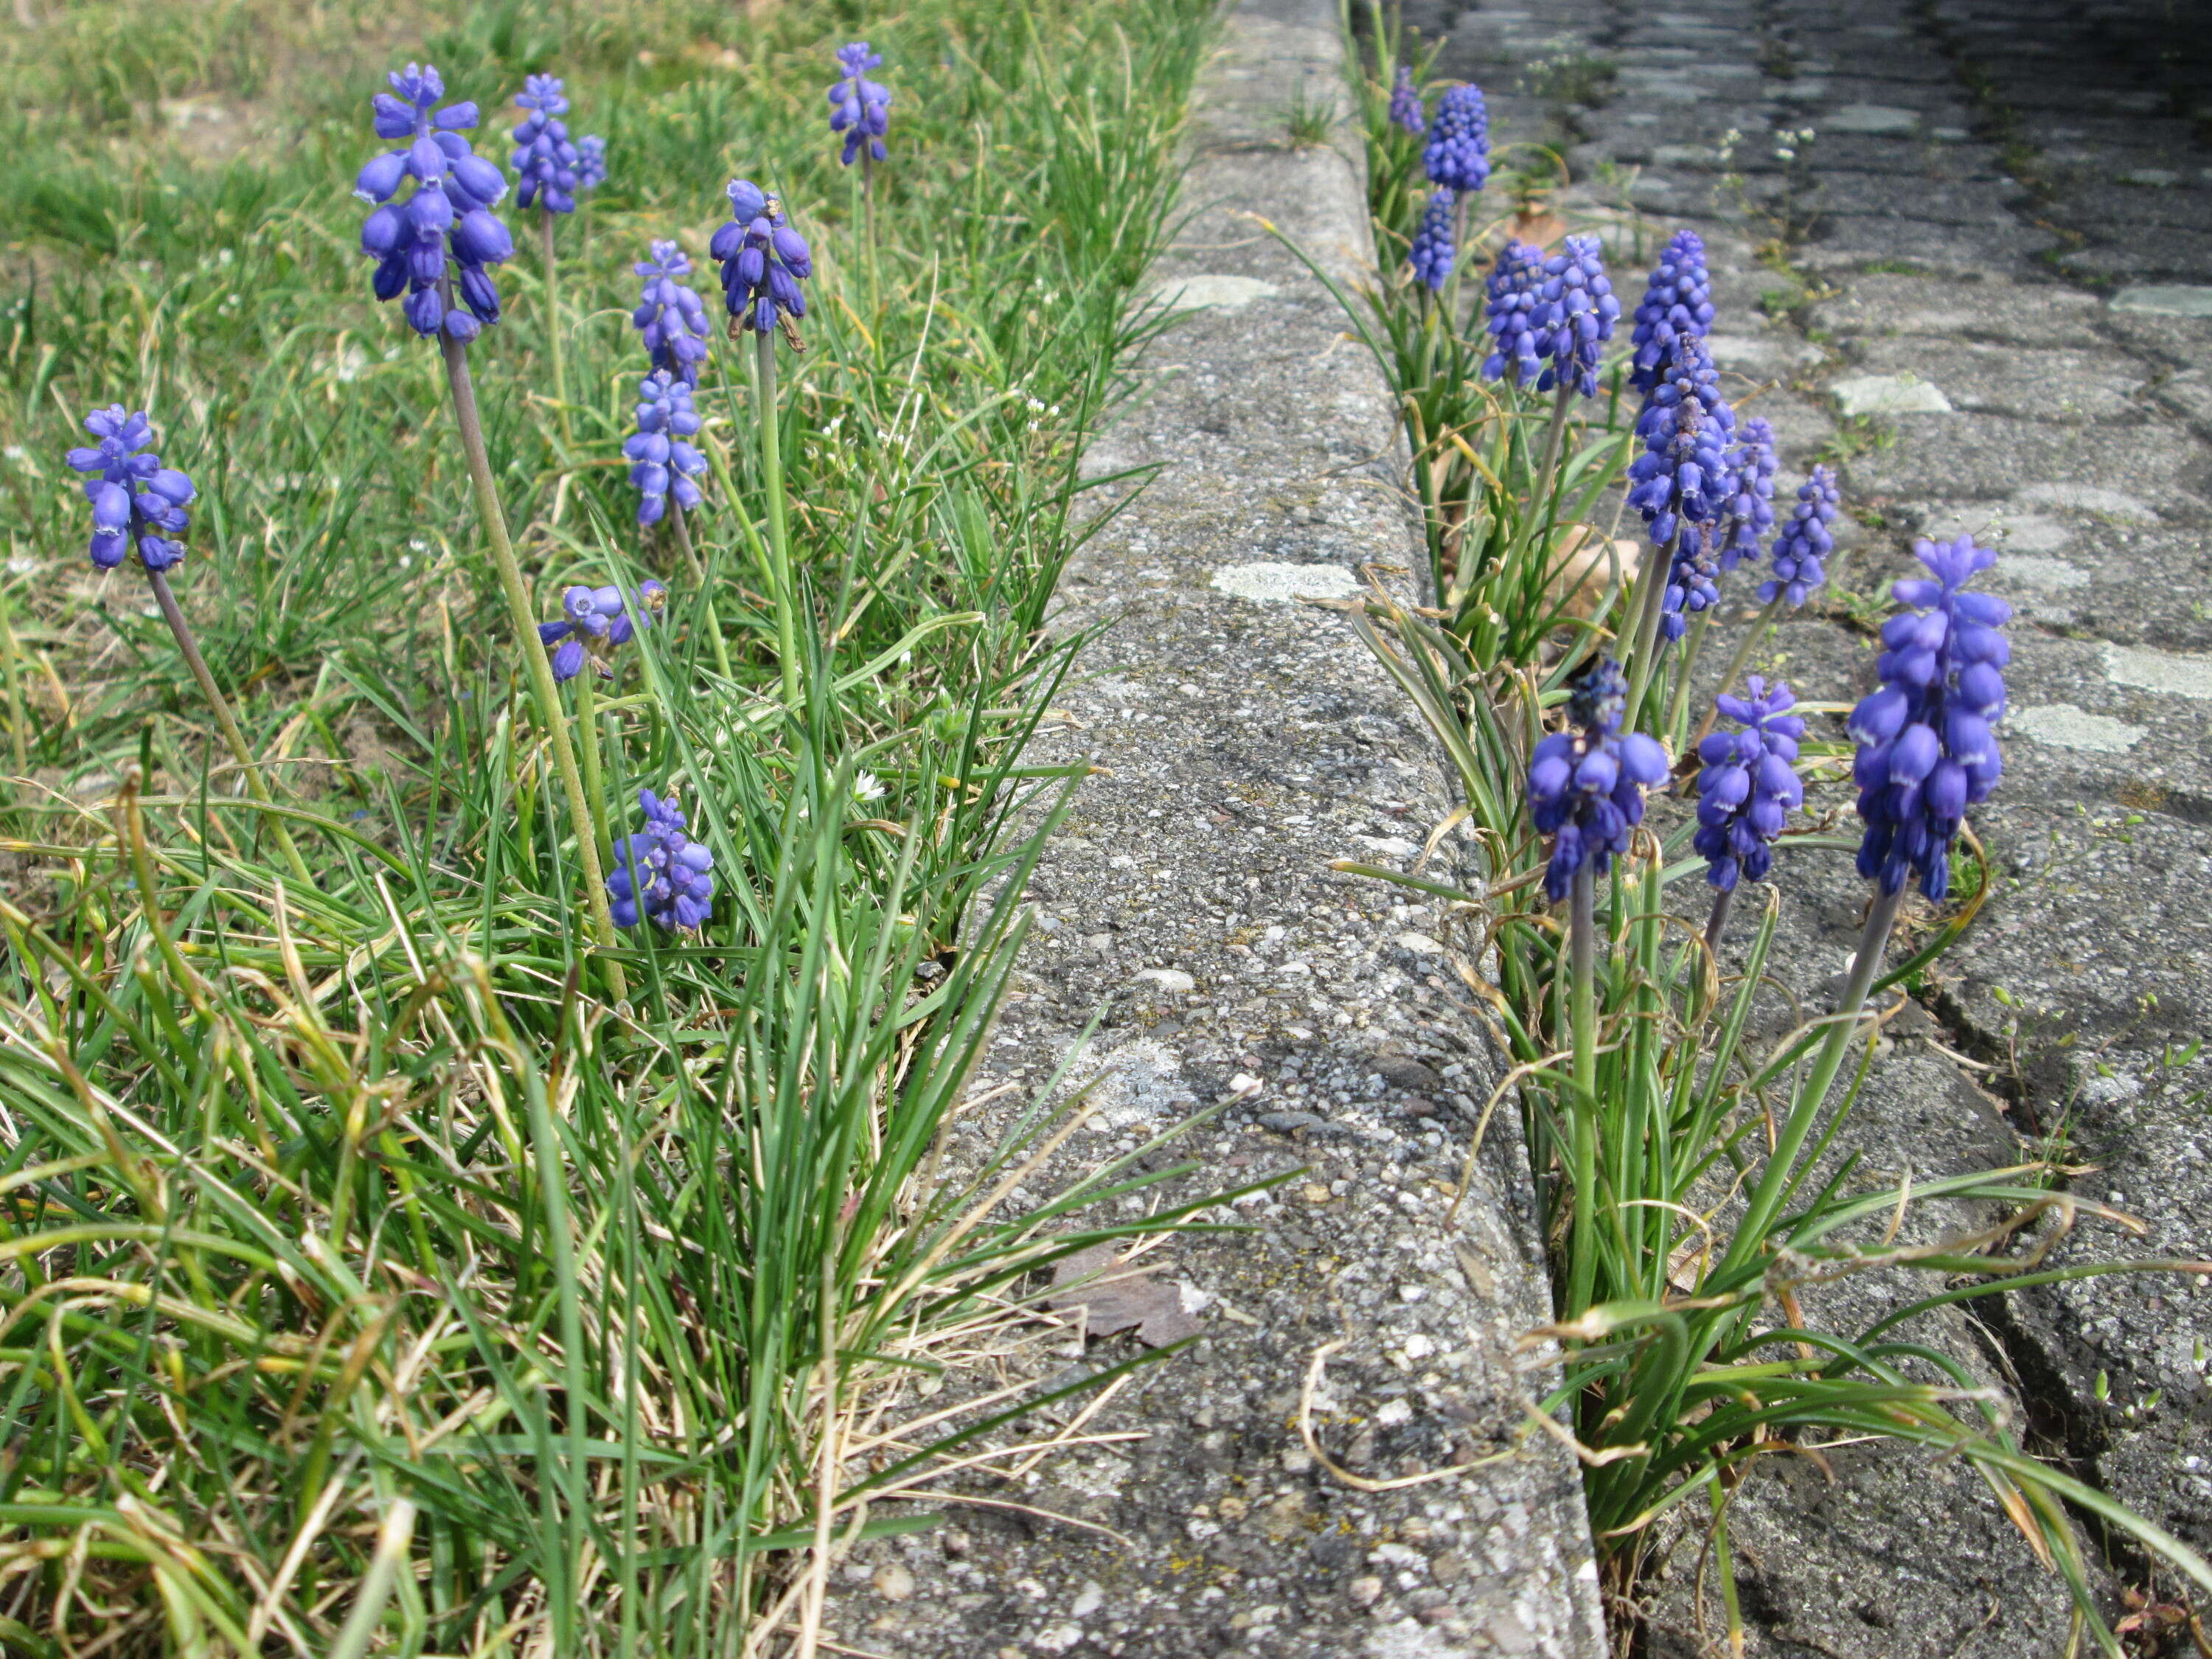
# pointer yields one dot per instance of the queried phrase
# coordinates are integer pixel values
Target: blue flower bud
(1405, 111)
(1457, 155)
(133, 495)
(859, 107)
(1586, 785)
(411, 243)
(1432, 252)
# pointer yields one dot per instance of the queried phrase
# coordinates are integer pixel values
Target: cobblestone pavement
(1963, 250)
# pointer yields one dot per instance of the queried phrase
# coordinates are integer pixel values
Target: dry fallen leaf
(1112, 1296)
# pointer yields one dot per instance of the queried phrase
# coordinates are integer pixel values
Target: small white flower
(420, 546)
(16, 452)
(867, 786)
(21, 564)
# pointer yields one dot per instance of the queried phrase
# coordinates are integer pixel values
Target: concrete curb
(1249, 738)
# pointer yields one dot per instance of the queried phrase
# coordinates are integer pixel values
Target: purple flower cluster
(597, 621)
(763, 259)
(1748, 786)
(1926, 749)
(1432, 254)
(1748, 514)
(1586, 785)
(670, 318)
(1457, 155)
(661, 459)
(591, 162)
(1677, 307)
(662, 873)
(1519, 319)
(135, 499)
(448, 212)
(1581, 312)
(551, 169)
(1804, 541)
(860, 108)
(1680, 484)
(1405, 111)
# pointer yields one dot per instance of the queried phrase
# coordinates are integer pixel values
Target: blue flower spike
(446, 216)
(763, 259)
(596, 620)
(1804, 541)
(1519, 319)
(1405, 111)
(1580, 312)
(1677, 308)
(671, 319)
(1749, 785)
(1586, 784)
(1681, 483)
(1927, 750)
(137, 503)
(1432, 254)
(661, 873)
(547, 164)
(859, 107)
(663, 460)
(1457, 155)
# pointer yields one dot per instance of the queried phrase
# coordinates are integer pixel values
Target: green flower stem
(545, 692)
(713, 623)
(553, 332)
(1805, 1110)
(779, 530)
(1553, 434)
(231, 736)
(868, 237)
(18, 727)
(1678, 715)
(1581, 937)
(1650, 594)
(1759, 630)
(595, 785)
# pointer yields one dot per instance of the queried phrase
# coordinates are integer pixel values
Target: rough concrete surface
(1249, 740)
(2010, 202)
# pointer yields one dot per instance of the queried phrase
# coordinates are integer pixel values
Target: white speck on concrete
(1170, 979)
(2164, 300)
(2159, 670)
(1267, 580)
(2087, 498)
(1888, 394)
(2065, 726)
(2048, 575)
(1420, 945)
(1878, 119)
(1087, 1602)
(2151, 178)
(1207, 292)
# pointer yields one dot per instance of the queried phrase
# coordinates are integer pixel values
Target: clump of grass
(370, 1277)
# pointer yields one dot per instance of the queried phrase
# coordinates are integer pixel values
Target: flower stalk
(554, 352)
(544, 693)
(779, 533)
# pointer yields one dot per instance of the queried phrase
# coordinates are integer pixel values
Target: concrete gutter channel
(1249, 740)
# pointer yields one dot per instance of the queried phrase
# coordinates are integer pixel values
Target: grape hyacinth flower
(544, 160)
(1405, 111)
(1926, 750)
(1432, 254)
(662, 461)
(1520, 321)
(661, 873)
(1586, 785)
(591, 162)
(137, 503)
(1580, 312)
(1805, 541)
(763, 259)
(1677, 307)
(1680, 482)
(1457, 155)
(670, 317)
(448, 213)
(1748, 786)
(1748, 514)
(597, 620)
(860, 108)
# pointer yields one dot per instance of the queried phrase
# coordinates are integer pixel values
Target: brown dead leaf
(1112, 1295)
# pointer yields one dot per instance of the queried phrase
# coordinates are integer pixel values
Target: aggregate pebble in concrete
(1248, 738)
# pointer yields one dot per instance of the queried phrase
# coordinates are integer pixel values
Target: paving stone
(1842, 242)
(2004, 314)
(2005, 379)
(2166, 300)
(1938, 202)
(1887, 394)
(1988, 455)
